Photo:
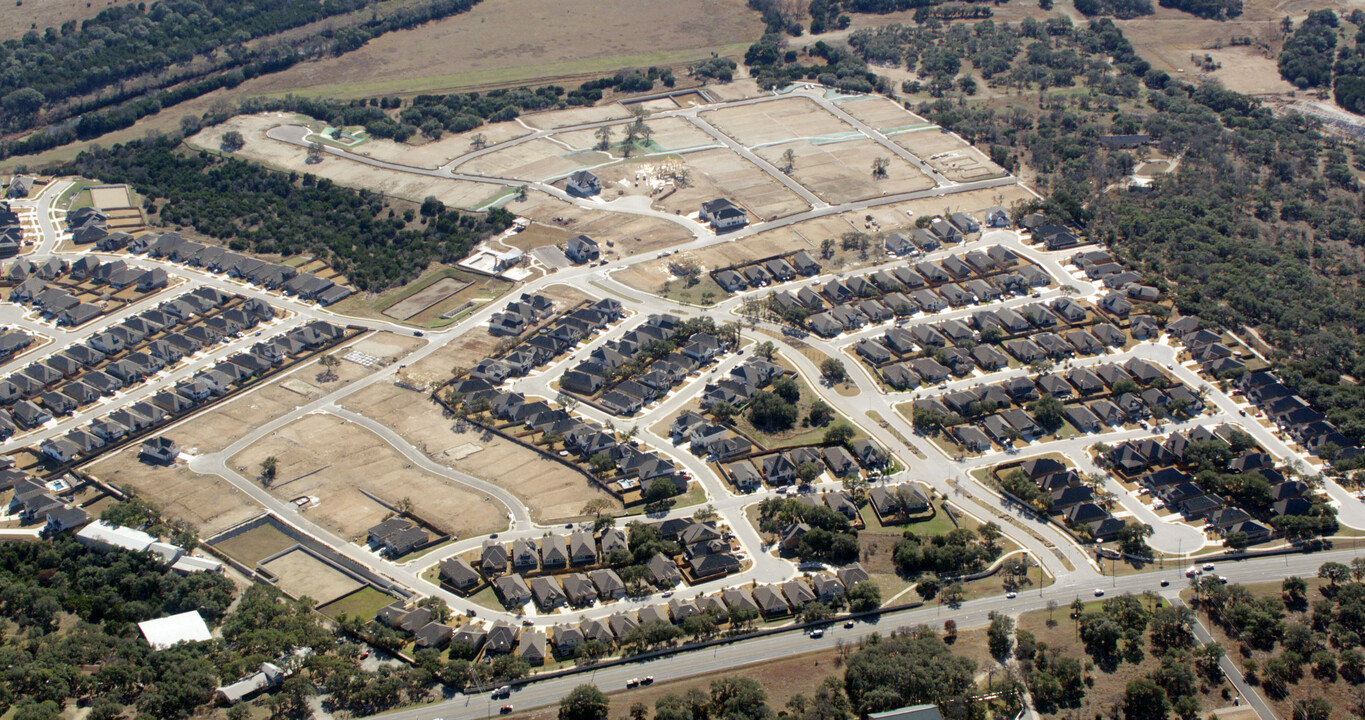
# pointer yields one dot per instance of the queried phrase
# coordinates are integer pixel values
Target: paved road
(752, 652)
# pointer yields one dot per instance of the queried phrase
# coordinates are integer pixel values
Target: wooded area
(373, 240)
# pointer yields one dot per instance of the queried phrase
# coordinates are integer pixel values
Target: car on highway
(633, 682)
(667, 594)
(1193, 572)
(817, 633)
(648, 680)
(1165, 583)
(848, 625)
(502, 692)
(506, 709)
(1208, 567)
(1011, 595)
(1099, 592)
(418, 333)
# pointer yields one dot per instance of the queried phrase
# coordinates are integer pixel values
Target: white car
(1011, 595)
(1099, 592)
(1208, 567)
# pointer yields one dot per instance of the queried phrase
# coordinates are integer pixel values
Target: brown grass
(208, 501)
(551, 491)
(345, 459)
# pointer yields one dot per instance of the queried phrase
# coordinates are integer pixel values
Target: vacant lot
(533, 160)
(956, 159)
(435, 153)
(1170, 40)
(345, 462)
(284, 156)
(208, 501)
(841, 172)
(363, 603)
(778, 121)
(229, 422)
(616, 232)
(256, 544)
(425, 298)
(880, 113)
(550, 491)
(741, 181)
(302, 574)
(669, 135)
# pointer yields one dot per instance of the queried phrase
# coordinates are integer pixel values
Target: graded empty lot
(284, 156)
(436, 153)
(615, 232)
(224, 424)
(729, 175)
(344, 460)
(670, 134)
(777, 121)
(841, 172)
(533, 160)
(425, 298)
(208, 501)
(954, 158)
(300, 574)
(550, 491)
(879, 113)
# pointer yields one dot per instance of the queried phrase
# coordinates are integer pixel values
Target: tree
(1334, 572)
(808, 472)
(1049, 412)
(788, 160)
(1314, 708)
(879, 167)
(765, 350)
(329, 363)
(833, 371)
(864, 597)
(314, 153)
(596, 506)
(815, 612)
(232, 141)
(949, 631)
(603, 135)
(953, 594)
(478, 142)
(739, 698)
(1145, 700)
(787, 389)
(827, 248)
(268, 468)
(820, 414)
(601, 464)
(585, 702)
(998, 634)
(769, 412)
(839, 433)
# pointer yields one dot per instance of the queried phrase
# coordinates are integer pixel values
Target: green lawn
(937, 525)
(363, 603)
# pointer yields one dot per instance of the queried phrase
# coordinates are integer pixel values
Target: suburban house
(582, 249)
(583, 184)
(723, 214)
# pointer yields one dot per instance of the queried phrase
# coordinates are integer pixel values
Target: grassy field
(362, 603)
(256, 544)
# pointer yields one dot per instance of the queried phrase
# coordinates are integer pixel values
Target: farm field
(550, 491)
(337, 462)
(505, 41)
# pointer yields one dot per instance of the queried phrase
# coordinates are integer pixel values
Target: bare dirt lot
(438, 152)
(618, 233)
(841, 172)
(208, 501)
(945, 152)
(551, 491)
(283, 156)
(345, 459)
(771, 122)
(425, 298)
(225, 424)
(670, 134)
(533, 160)
(738, 179)
(302, 574)
(880, 113)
